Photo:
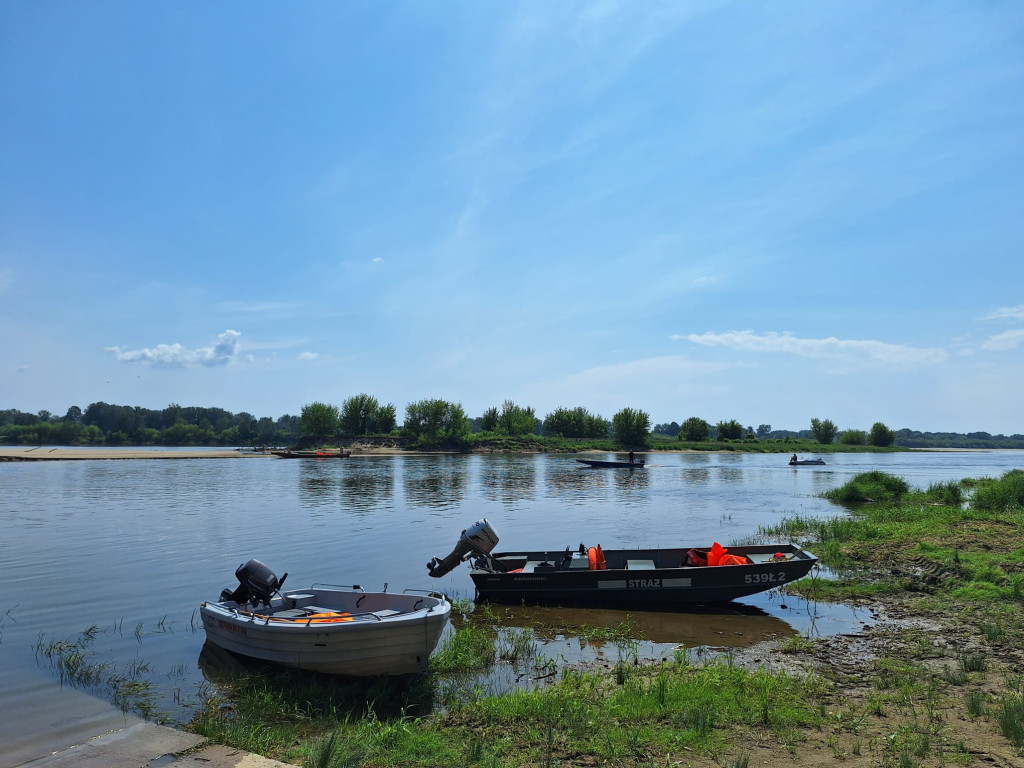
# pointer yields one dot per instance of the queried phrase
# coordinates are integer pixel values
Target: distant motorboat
(795, 462)
(597, 463)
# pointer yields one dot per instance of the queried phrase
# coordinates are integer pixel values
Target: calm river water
(133, 547)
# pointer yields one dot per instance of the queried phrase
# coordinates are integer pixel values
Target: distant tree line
(427, 423)
(104, 424)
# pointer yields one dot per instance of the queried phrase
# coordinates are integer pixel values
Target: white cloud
(308, 355)
(1006, 313)
(177, 356)
(378, 260)
(1004, 341)
(773, 342)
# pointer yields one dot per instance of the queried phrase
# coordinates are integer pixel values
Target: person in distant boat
(792, 459)
(631, 458)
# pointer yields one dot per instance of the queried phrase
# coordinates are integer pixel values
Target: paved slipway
(145, 745)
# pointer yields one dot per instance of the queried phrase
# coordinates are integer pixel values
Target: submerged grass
(128, 687)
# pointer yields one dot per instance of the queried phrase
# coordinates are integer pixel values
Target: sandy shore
(62, 454)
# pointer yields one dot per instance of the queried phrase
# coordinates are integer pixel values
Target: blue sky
(767, 212)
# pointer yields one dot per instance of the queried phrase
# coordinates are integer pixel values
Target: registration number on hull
(765, 578)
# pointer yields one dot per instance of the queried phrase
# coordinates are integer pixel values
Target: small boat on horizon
(312, 454)
(328, 629)
(795, 462)
(601, 463)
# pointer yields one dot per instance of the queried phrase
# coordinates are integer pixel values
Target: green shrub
(1002, 495)
(870, 486)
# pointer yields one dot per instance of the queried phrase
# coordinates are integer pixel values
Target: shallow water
(133, 547)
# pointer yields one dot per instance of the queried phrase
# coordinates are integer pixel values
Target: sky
(767, 212)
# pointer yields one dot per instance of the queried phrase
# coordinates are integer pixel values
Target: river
(131, 548)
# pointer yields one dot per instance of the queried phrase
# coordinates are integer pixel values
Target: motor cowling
(479, 538)
(256, 583)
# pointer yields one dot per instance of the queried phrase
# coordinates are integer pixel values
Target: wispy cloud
(257, 306)
(1001, 342)
(177, 356)
(1006, 313)
(308, 355)
(786, 343)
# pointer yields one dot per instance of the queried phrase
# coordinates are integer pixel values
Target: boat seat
(291, 613)
(538, 565)
(640, 565)
(386, 612)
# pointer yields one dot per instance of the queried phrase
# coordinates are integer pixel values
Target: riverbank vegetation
(443, 425)
(940, 683)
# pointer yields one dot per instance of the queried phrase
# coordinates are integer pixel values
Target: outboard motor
(256, 583)
(479, 538)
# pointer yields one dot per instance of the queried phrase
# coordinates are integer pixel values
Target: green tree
(575, 423)
(881, 435)
(853, 437)
(824, 431)
(763, 430)
(729, 430)
(387, 419)
(319, 421)
(694, 430)
(489, 421)
(435, 423)
(516, 421)
(359, 415)
(631, 427)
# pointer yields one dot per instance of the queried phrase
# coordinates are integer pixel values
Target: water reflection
(695, 475)
(354, 486)
(509, 478)
(438, 482)
(730, 474)
(730, 626)
(368, 485)
(630, 483)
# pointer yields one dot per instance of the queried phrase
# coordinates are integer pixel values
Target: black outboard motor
(256, 584)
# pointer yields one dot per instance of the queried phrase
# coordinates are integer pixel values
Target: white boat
(329, 629)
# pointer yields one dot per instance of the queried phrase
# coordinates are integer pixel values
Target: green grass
(1011, 719)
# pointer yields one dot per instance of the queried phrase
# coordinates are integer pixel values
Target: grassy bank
(937, 679)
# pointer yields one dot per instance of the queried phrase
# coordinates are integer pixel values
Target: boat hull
(807, 463)
(598, 463)
(382, 634)
(637, 578)
(311, 454)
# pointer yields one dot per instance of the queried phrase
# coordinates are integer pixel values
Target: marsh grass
(877, 487)
(1011, 719)
(1004, 494)
(468, 648)
(74, 662)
